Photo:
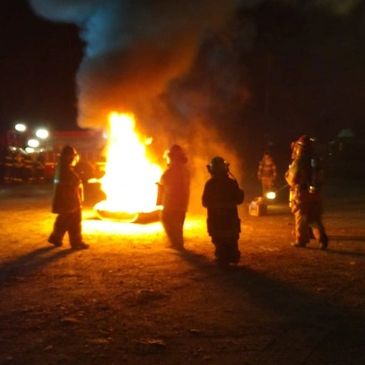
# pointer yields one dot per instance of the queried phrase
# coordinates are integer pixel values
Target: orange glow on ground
(91, 227)
(194, 225)
(130, 178)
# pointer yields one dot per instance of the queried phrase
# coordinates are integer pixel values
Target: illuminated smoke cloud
(133, 48)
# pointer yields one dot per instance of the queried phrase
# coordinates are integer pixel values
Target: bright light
(130, 178)
(271, 195)
(42, 133)
(20, 127)
(100, 227)
(150, 234)
(29, 150)
(34, 143)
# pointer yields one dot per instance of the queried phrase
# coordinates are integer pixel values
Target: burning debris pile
(130, 180)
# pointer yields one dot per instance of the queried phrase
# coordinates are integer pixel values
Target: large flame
(130, 180)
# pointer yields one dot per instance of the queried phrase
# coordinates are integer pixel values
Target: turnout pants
(70, 223)
(309, 218)
(173, 223)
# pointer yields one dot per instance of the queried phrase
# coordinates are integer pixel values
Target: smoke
(133, 49)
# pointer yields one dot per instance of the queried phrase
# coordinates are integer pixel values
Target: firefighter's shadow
(277, 295)
(270, 294)
(17, 269)
(195, 259)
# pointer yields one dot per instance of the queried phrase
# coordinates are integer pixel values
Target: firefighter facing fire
(174, 191)
(67, 201)
(221, 196)
(266, 173)
(304, 177)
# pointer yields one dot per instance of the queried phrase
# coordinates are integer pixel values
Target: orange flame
(130, 178)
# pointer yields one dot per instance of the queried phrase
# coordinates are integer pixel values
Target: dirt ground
(130, 300)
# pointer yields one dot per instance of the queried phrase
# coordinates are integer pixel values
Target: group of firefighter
(221, 197)
(18, 166)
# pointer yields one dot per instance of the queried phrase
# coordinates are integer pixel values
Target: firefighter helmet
(68, 151)
(68, 154)
(175, 153)
(304, 140)
(218, 165)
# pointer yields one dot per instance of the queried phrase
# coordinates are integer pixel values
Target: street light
(42, 133)
(34, 143)
(20, 127)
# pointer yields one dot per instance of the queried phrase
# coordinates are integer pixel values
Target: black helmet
(176, 153)
(68, 151)
(218, 165)
(68, 154)
(304, 144)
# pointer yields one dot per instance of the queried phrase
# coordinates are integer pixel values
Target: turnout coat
(67, 195)
(221, 196)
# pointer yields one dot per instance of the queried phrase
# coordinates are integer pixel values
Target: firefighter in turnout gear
(67, 200)
(173, 195)
(221, 196)
(304, 177)
(266, 173)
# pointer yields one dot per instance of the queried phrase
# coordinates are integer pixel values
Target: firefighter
(221, 196)
(67, 201)
(174, 191)
(304, 176)
(266, 173)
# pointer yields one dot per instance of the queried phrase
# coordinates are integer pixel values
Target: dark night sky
(315, 81)
(37, 68)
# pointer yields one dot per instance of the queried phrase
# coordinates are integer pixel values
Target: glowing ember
(130, 178)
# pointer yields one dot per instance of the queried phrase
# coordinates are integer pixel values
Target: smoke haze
(132, 48)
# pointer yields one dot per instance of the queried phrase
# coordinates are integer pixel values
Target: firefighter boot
(323, 244)
(80, 246)
(53, 241)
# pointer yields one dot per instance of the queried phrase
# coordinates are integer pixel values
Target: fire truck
(20, 163)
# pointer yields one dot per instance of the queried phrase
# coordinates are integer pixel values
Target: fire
(130, 178)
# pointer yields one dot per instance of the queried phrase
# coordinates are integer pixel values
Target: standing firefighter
(67, 201)
(304, 177)
(221, 196)
(174, 191)
(266, 173)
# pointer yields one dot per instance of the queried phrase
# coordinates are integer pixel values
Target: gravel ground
(131, 300)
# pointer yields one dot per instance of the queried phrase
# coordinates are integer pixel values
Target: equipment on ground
(257, 207)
